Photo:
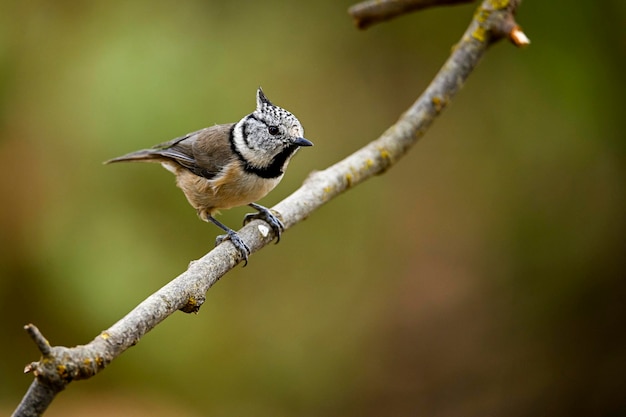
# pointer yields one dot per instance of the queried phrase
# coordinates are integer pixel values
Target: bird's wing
(204, 152)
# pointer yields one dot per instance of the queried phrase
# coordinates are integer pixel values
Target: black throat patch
(273, 170)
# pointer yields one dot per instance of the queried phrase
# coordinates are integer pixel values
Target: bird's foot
(237, 242)
(267, 216)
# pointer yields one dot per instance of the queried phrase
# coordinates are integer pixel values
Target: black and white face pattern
(266, 139)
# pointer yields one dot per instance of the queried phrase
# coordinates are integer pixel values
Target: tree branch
(369, 12)
(61, 365)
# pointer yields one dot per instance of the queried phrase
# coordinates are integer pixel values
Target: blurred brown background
(482, 275)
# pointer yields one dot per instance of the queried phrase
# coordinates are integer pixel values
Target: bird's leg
(266, 215)
(243, 249)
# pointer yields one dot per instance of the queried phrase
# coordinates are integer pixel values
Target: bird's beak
(302, 142)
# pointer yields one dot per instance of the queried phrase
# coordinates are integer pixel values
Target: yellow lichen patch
(87, 362)
(99, 361)
(328, 189)
(104, 335)
(191, 306)
(369, 163)
(349, 180)
(386, 160)
(438, 103)
(499, 4)
(384, 153)
(479, 34)
(481, 15)
(62, 370)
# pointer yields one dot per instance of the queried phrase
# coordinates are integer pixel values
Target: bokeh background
(482, 275)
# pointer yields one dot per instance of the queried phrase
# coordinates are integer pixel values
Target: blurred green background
(482, 275)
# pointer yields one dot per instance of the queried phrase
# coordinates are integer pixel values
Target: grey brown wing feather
(203, 152)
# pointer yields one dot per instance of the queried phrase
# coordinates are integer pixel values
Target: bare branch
(36, 400)
(370, 12)
(40, 341)
(61, 365)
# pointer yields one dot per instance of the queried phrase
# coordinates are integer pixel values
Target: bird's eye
(273, 130)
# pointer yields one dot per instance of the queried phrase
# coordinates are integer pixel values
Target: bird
(231, 165)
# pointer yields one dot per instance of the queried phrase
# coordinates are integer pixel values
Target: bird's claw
(237, 242)
(267, 216)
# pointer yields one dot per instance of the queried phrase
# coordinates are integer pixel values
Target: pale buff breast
(233, 188)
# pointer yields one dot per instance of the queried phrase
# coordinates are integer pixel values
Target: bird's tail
(144, 155)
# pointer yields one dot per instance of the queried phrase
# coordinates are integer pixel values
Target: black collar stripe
(273, 170)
